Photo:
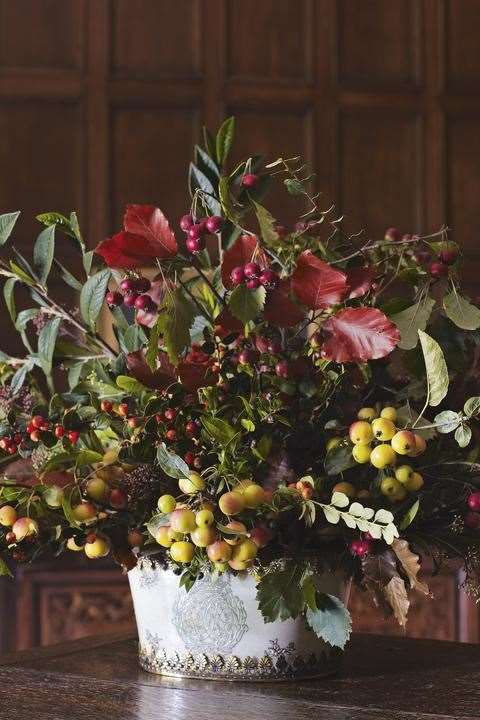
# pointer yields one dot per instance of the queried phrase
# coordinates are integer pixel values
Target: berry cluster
(39, 424)
(253, 276)
(132, 292)
(197, 231)
(437, 266)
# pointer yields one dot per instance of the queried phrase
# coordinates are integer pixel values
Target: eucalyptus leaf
(411, 320)
(409, 516)
(46, 344)
(43, 252)
(7, 223)
(436, 369)
(92, 296)
(461, 312)
(67, 276)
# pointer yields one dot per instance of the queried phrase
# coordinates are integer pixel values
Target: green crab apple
(167, 503)
(97, 489)
(192, 484)
(84, 511)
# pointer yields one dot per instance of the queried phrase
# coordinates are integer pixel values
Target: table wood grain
(382, 678)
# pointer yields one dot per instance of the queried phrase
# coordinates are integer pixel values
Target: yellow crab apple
(383, 429)
(367, 413)
(219, 551)
(390, 413)
(403, 473)
(382, 455)
(84, 511)
(203, 536)
(414, 483)
(24, 527)
(231, 503)
(420, 445)
(192, 484)
(253, 495)
(97, 489)
(237, 527)
(361, 432)
(245, 550)
(8, 516)
(390, 487)
(403, 442)
(183, 520)
(166, 503)
(162, 536)
(182, 551)
(204, 518)
(99, 548)
(361, 453)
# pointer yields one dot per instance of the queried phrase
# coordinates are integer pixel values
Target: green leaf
(339, 459)
(447, 421)
(67, 276)
(462, 313)
(411, 320)
(224, 139)
(93, 295)
(248, 424)
(175, 323)
(21, 274)
(46, 344)
(4, 569)
(24, 317)
(9, 297)
(43, 252)
(279, 593)
(87, 457)
(246, 304)
(472, 406)
(171, 464)
(197, 179)
(130, 385)
(463, 435)
(7, 223)
(156, 522)
(436, 368)
(19, 377)
(266, 222)
(331, 620)
(152, 350)
(227, 202)
(219, 429)
(409, 516)
(294, 187)
(134, 338)
(55, 218)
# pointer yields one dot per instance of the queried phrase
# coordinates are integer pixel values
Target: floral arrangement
(269, 400)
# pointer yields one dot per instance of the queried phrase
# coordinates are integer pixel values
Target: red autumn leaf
(280, 310)
(316, 283)
(157, 379)
(358, 335)
(195, 371)
(360, 280)
(239, 254)
(226, 323)
(146, 236)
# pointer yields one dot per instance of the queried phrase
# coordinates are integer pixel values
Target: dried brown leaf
(410, 564)
(397, 598)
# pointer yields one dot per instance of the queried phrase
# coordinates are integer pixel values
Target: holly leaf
(331, 620)
(461, 312)
(280, 310)
(411, 320)
(316, 283)
(397, 597)
(240, 253)
(175, 323)
(358, 335)
(436, 369)
(279, 593)
(245, 304)
(410, 564)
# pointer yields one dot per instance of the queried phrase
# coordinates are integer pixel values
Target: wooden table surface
(382, 679)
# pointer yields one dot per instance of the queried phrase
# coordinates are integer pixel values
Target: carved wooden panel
(380, 171)
(151, 151)
(379, 42)
(28, 41)
(462, 56)
(269, 40)
(152, 38)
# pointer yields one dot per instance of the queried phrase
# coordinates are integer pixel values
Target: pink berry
(214, 224)
(195, 232)
(474, 501)
(249, 180)
(114, 298)
(360, 548)
(170, 414)
(186, 222)
(392, 234)
(472, 520)
(127, 285)
(253, 283)
(268, 278)
(282, 369)
(195, 244)
(251, 270)
(247, 357)
(437, 269)
(130, 299)
(192, 428)
(143, 302)
(237, 276)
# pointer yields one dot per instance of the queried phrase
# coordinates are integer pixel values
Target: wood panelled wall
(101, 101)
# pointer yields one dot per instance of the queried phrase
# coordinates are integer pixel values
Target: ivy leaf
(279, 593)
(447, 421)
(463, 435)
(43, 252)
(224, 139)
(7, 223)
(92, 296)
(331, 620)
(9, 297)
(266, 222)
(171, 464)
(472, 406)
(246, 304)
(436, 369)
(461, 312)
(175, 323)
(411, 320)
(46, 344)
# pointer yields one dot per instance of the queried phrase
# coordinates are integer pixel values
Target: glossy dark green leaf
(224, 140)
(43, 252)
(92, 296)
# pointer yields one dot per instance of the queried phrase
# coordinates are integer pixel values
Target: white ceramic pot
(215, 631)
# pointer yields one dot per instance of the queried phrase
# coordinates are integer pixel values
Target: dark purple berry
(130, 298)
(144, 302)
(195, 232)
(195, 244)
(127, 285)
(142, 285)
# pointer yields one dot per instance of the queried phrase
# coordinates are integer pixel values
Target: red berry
(249, 180)
(268, 278)
(252, 283)
(360, 548)
(37, 421)
(274, 346)
(237, 275)
(30, 428)
(73, 436)
(392, 234)
(114, 298)
(59, 431)
(127, 285)
(11, 538)
(35, 436)
(123, 409)
(251, 270)
(195, 232)
(189, 458)
(159, 417)
(437, 269)
(186, 222)
(17, 438)
(194, 245)
(45, 426)
(143, 302)
(472, 520)
(261, 343)
(282, 369)
(130, 298)
(191, 428)
(133, 422)
(12, 449)
(171, 435)
(106, 406)
(247, 357)
(170, 414)
(142, 285)
(4, 443)
(118, 499)
(474, 501)
(214, 224)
